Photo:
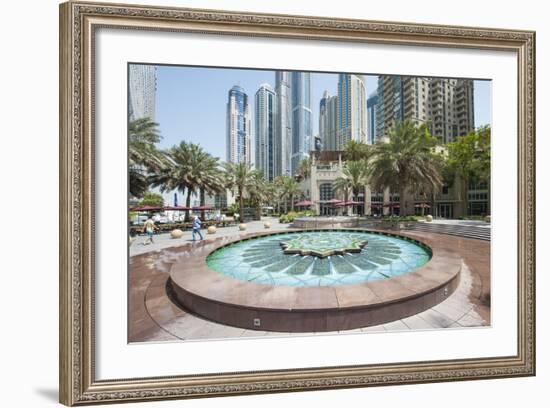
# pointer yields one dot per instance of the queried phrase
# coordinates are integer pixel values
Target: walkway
(153, 317)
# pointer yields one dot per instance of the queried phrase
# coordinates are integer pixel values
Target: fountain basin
(290, 307)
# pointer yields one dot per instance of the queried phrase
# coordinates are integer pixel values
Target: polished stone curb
(249, 305)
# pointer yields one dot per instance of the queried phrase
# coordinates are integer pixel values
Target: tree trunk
(356, 199)
(465, 199)
(187, 204)
(241, 207)
(203, 201)
(346, 198)
(402, 209)
(292, 202)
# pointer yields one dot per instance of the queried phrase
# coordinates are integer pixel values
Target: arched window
(325, 192)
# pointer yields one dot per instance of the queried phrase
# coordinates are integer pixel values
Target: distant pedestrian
(149, 228)
(197, 228)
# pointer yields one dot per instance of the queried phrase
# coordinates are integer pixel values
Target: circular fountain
(304, 281)
(317, 222)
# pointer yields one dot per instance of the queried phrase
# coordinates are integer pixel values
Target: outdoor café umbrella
(375, 205)
(392, 205)
(146, 208)
(348, 204)
(423, 206)
(202, 209)
(305, 203)
(176, 208)
(333, 201)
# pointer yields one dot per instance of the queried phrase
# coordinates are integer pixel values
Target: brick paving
(153, 317)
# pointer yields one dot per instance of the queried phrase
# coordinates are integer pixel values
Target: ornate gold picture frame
(79, 22)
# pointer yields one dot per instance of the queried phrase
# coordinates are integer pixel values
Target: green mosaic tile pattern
(263, 260)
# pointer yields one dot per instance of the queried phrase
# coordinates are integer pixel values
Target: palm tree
(259, 191)
(270, 193)
(143, 157)
(304, 168)
(239, 178)
(356, 151)
(291, 189)
(356, 173)
(209, 177)
(278, 185)
(470, 158)
(343, 185)
(407, 160)
(188, 168)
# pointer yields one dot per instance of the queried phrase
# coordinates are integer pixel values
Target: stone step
(483, 233)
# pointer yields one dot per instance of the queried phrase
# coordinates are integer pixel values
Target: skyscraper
(283, 125)
(265, 105)
(352, 105)
(446, 105)
(142, 88)
(328, 116)
(238, 126)
(300, 90)
(372, 108)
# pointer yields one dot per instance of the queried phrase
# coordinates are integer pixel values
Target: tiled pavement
(154, 318)
(163, 241)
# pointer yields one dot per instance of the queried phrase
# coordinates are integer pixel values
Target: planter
(211, 229)
(267, 225)
(242, 227)
(429, 218)
(176, 233)
(394, 225)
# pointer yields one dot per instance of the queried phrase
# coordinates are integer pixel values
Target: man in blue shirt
(197, 228)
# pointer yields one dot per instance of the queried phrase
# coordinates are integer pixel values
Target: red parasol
(204, 208)
(149, 208)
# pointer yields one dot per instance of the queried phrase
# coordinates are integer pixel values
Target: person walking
(197, 228)
(149, 228)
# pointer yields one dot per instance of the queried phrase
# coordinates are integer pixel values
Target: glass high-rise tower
(283, 125)
(300, 90)
(352, 105)
(264, 121)
(372, 107)
(142, 88)
(238, 126)
(328, 118)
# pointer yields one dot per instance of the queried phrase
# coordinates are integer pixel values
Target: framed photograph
(254, 203)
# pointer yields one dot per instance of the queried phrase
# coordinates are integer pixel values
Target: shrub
(288, 218)
(406, 218)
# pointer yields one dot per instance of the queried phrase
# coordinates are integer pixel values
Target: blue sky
(191, 101)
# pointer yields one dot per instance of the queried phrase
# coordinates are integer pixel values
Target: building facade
(352, 105)
(328, 121)
(238, 147)
(283, 124)
(302, 132)
(328, 166)
(446, 105)
(142, 89)
(264, 121)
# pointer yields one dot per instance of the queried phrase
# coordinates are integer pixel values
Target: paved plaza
(154, 317)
